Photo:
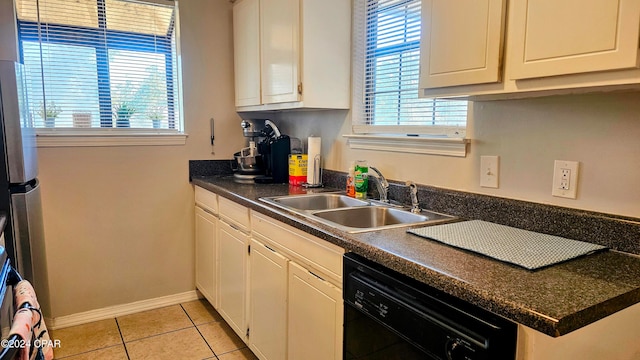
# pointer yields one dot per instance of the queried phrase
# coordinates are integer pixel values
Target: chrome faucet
(413, 191)
(382, 184)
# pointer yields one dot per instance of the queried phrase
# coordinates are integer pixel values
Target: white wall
(601, 131)
(119, 220)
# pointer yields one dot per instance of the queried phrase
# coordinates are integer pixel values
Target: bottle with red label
(351, 189)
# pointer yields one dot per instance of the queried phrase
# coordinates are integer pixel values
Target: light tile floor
(193, 330)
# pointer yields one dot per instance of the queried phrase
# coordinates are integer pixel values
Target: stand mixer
(265, 160)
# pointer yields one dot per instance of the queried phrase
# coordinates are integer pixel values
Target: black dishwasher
(391, 316)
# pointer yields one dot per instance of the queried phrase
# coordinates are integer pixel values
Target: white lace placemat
(528, 249)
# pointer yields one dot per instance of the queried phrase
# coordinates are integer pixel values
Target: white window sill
(111, 137)
(431, 145)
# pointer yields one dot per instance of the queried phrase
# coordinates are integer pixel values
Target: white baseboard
(120, 310)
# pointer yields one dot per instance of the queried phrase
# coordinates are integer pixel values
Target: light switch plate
(489, 171)
(565, 179)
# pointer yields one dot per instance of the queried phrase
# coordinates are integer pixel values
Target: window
(386, 72)
(100, 64)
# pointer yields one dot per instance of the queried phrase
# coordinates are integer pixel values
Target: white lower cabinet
(268, 302)
(206, 227)
(295, 293)
(315, 316)
(294, 313)
(232, 277)
(278, 288)
(206, 230)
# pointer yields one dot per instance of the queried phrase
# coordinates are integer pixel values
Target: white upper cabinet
(292, 54)
(461, 42)
(554, 37)
(550, 47)
(279, 38)
(246, 52)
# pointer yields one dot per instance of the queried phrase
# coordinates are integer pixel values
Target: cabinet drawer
(206, 200)
(302, 247)
(234, 214)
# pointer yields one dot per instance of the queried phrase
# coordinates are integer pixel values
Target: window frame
(107, 134)
(421, 139)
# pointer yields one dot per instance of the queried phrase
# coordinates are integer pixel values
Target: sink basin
(353, 215)
(377, 217)
(316, 201)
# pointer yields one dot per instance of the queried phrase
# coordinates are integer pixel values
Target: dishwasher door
(365, 338)
(391, 316)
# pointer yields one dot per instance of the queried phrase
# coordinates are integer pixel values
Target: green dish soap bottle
(360, 179)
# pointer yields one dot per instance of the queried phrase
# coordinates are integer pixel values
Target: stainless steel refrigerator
(19, 187)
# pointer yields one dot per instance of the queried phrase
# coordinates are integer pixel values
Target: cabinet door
(206, 225)
(246, 51)
(232, 277)
(279, 23)
(556, 37)
(267, 302)
(461, 42)
(315, 317)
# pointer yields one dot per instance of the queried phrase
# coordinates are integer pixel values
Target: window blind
(100, 63)
(387, 43)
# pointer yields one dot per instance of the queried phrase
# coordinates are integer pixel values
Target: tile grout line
(122, 338)
(156, 335)
(198, 330)
(86, 352)
(238, 349)
(216, 321)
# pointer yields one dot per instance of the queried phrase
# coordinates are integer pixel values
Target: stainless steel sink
(316, 201)
(370, 217)
(376, 217)
(353, 215)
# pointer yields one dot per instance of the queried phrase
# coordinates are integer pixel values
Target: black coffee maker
(274, 148)
(275, 152)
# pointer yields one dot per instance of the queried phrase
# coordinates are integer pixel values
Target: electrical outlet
(489, 171)
(565, 179)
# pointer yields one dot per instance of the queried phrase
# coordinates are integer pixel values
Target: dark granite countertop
(555, 300)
